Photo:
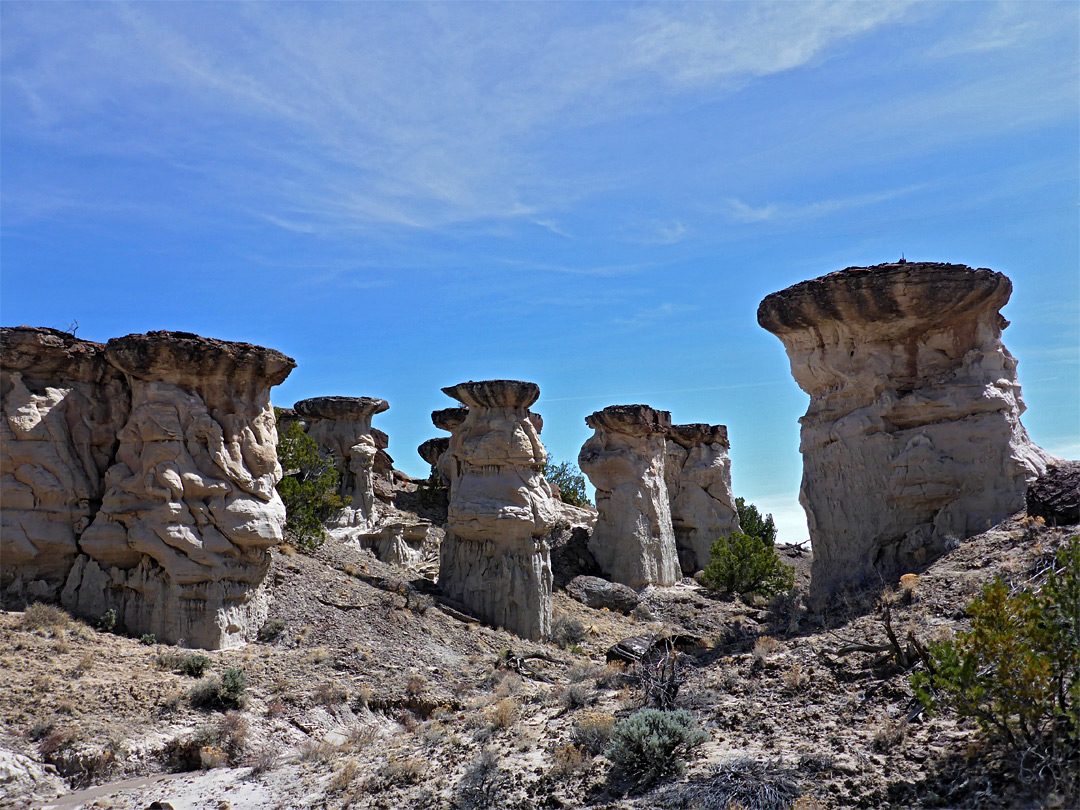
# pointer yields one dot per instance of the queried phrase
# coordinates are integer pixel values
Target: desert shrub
(222, 693)
(571, 483)
(309, 487)
(593, 731)
(271, 630)
(566, 631)
(576, 696)
(149, 639)
(483, 783)
(1017, 670)
(432, 493)
(503, 714)
(745, 564)
(653, 743)
(660, 674)
(191, 664)
(40, 616)
(740, 783)
(566, 759)
(752, 523)
(107, 622)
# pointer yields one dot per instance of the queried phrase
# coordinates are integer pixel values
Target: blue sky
(594, 197)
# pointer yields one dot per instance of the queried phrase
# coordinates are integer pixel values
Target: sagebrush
(652, 743)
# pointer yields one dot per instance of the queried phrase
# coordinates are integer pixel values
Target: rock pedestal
(633, 541)
(495, 557)
(699, 484)
(62, 407)
(912, 440)
(341, 426)
(178, 546)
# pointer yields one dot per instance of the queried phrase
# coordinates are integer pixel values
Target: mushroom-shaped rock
(449, 419)
(495, 557)
(698, 477)
(341, 426)
(178, 547)
(62, 405)
(625, 459)
(912, 440)
(432, 449)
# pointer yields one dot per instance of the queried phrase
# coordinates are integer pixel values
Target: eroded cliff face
(633, 541)
(698, 477)
(155, 457)
(495, 557)
(63, 405)
(341, 426)
(912, 440)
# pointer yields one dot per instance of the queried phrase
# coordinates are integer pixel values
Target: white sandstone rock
(495, 557)
(912, 440)
(633, 541)
(698, 476)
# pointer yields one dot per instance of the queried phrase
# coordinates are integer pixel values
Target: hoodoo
(495, 557)
(912, 440)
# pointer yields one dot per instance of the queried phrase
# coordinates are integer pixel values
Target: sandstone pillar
(341, 426)
(699, 484)
(633, 541)
(495, 557)
(178, 547)
(62, 406)
(912, 440)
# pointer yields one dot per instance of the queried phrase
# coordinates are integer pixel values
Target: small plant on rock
(652, 744)
(219, 694)
(566, 631)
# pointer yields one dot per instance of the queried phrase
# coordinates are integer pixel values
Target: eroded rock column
(912, 440)
(341, 426)
(179, 546)
(633, 541)
(63, 405)
(495, 557)
(699, 485)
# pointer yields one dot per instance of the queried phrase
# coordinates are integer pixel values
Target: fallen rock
(633, 541)
(912, 440)
(495, 557)
(595, 592)
(179, 546)
(1055, 495)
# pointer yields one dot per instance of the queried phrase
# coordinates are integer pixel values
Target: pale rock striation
(62, 407)
(341, 426)
(633, 541)
(495, 558)
(912, 440)
(698, 477)
(179, 546)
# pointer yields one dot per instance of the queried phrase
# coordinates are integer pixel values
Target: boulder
(495, 557)
(698, 477)
(341, 426)
(912, 440)
(1055, 495)
(633, 541)
(62, 406)
(595, 592)
(179, 545)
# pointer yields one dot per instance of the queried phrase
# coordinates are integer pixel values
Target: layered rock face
(178, 546)
(912, 440)
(341, 426)
(495, 557)
(633, 541)
(62, 407)
(698, 473)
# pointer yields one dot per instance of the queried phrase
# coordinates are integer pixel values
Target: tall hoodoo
(178, 547)
(495, 557)
(633, 541)
(912, 439)
(62, 406)
(341, 426)
(698, 471)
